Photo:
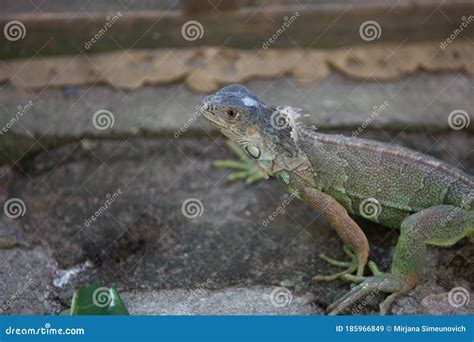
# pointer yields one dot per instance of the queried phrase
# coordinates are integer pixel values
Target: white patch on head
(249, 102)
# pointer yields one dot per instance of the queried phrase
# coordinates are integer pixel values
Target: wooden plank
(193, 7)
(319, 26)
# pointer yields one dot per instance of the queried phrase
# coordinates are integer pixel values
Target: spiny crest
(287, 117)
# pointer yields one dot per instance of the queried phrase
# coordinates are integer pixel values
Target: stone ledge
(252, 300)
(423, 101)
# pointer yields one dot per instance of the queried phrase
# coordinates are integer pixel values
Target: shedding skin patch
(292, 115)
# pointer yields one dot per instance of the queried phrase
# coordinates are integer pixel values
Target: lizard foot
(395, 284)
(359, 278)
(246, 167)
(350, 267)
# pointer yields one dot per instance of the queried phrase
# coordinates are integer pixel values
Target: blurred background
(106, 169)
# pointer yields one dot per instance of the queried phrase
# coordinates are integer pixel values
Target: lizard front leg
(245, 168)
(440, 225)
(347, 229)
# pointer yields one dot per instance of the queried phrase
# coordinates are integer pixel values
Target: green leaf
(97, 300)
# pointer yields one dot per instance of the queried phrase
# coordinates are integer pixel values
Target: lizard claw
(351, 266)
(358, 278)
(396, 284)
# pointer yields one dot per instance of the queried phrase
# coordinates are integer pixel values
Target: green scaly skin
(429, 201)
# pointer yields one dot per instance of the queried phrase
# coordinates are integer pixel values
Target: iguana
(431, 202)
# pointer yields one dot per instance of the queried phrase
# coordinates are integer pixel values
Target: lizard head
(264, 131)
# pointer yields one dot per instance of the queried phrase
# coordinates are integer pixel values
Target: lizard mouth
(211, 117)
(225, 129)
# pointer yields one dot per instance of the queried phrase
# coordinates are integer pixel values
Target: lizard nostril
(205, 106)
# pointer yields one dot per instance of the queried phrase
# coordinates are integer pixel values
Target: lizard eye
(232, 113)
